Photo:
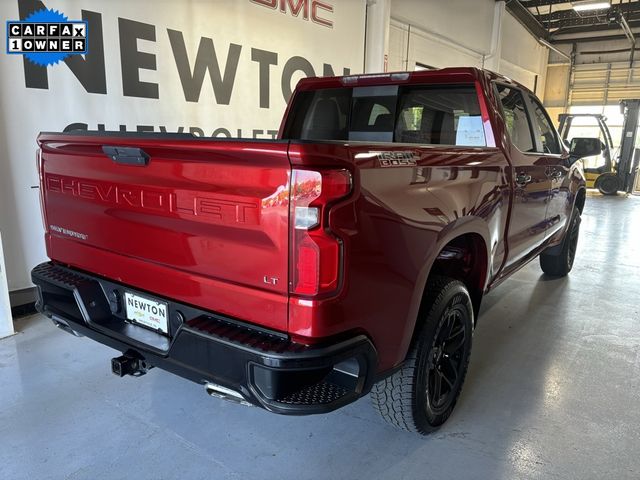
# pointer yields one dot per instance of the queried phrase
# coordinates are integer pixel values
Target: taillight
(41, 184)
(316, 252)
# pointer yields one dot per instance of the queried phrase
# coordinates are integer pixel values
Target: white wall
(522, 56)
(26, 111)
(6, 323)
(464, 33)
(410, 45)
(467, 22)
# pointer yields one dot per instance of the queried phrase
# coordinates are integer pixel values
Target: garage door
(603, 84)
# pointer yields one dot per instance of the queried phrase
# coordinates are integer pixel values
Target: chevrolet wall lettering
(310, 9)
(213, 208)
(219, 132)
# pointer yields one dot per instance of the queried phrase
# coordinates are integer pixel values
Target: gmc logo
(310, 9)
(210, 208)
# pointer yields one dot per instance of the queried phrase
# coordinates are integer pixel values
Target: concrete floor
(553, 391)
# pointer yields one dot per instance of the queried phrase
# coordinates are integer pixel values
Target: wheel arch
(470, 235)
(581, 198)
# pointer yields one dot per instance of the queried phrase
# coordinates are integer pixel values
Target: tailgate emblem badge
(270, 280)
(68, 232)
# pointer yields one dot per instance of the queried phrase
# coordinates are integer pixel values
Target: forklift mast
(627, 167)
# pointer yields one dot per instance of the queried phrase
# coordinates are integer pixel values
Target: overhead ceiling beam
(586, 22)
(542, 3)
(526, 18)
(625, 8)
(588, 29)
(601, 35)
(604, 38)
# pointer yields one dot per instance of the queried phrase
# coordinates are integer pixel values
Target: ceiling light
(586, 5)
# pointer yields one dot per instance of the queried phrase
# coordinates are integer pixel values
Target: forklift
(615, 174)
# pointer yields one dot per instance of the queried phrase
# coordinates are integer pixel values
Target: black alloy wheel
(446, 361)
(572, 246)
(558, 261)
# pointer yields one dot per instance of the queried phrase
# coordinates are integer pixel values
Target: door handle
(555, 173)
(522, 179)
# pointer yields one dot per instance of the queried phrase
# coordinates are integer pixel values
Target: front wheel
(422, 394)
(608, 184)
(559, 263)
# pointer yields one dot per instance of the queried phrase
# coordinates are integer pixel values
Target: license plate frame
(146, 311)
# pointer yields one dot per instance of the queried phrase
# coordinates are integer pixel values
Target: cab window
(516, 119)
(548, 137)
(434, 115)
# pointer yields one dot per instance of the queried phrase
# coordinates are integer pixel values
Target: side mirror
(585, 147)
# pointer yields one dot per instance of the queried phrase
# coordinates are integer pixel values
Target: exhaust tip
(224, 393)
(65, 327)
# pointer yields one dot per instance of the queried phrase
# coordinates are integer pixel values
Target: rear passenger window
(516, 119)
(440, 116)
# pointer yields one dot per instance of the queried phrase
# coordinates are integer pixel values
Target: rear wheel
(422, 394)
(559, 263)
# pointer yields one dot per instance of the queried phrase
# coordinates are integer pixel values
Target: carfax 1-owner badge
(47, 36)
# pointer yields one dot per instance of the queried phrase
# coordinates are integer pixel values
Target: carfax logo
(47, 36)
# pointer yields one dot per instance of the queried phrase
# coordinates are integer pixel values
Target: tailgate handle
(127, 155)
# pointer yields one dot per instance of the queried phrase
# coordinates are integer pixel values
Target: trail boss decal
(397, 159)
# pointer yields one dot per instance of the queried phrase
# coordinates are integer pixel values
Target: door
(547, 142)
(527, 225)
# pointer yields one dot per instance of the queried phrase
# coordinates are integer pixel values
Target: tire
(559, 264)
(414, 397)
(608, 184)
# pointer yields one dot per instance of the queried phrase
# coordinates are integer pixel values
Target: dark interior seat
(384, 121)
(325, 122)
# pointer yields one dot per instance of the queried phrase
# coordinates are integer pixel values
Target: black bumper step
(265, 367)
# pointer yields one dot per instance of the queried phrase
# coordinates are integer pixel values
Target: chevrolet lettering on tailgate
(213, 208)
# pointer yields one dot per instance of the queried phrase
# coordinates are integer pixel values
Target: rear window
(428, 115)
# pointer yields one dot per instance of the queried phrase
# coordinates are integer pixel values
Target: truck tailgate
(204, 221)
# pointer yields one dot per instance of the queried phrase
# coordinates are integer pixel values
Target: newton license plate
(147, 312)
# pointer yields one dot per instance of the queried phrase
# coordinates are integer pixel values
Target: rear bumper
(265, 367)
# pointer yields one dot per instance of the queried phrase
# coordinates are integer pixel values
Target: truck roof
(443, 75)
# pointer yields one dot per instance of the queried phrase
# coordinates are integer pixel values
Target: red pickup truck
(348, 256)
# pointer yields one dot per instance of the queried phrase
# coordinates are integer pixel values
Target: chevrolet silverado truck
(349, 256)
